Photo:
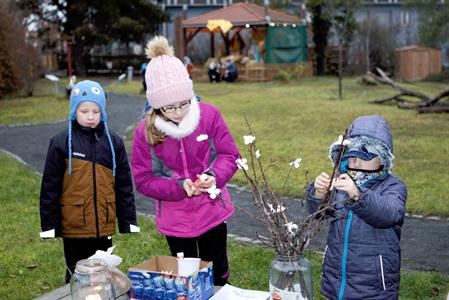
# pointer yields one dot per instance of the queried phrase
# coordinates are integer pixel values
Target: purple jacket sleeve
(145, 180)
(385, 208)
(224, 166)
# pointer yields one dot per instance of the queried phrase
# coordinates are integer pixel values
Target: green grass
(28, 261)
(43, 107)
(302, 119)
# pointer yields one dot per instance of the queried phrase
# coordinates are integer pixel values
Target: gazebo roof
(240, 14)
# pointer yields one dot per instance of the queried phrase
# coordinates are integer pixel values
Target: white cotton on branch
(296, 163)
(213, 191)
(257, 153)
(276, 210)
(345, 142)
(242, 163)
(292, 228)
(248, 139)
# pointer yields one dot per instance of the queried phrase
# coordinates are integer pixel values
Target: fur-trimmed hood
(372, 133)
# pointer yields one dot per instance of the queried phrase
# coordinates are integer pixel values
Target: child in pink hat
(182, 156)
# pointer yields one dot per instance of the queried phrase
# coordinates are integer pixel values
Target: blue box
(157, 279)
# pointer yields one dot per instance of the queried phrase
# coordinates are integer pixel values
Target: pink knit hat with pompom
(166, 76)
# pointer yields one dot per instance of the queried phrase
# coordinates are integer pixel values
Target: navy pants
(77, 249)
(210, 246)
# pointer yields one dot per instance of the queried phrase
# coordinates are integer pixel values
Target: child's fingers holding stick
(346, 184)
(321, 184)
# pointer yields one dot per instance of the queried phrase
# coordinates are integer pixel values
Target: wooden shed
(415, 63)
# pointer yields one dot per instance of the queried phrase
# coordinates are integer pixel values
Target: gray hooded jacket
(363, 257)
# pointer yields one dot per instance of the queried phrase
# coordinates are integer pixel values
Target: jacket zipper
(382, 271)
(184, 165)
(94, 178)
(348, 222)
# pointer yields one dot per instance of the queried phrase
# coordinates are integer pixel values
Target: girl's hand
(321, 184)
(206, 183)
(189, 188)
(345, 183)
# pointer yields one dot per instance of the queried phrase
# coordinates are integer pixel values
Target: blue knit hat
(90, 91)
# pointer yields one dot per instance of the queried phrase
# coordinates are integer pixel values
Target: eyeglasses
(173, 108)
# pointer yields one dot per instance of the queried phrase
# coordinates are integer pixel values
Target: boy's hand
(345, 183)
(321, 184)
(204, 181)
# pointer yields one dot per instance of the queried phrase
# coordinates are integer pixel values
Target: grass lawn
(43, 107)
(27, 260)
(302, 119)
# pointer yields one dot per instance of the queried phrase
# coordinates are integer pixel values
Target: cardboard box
(150, 280)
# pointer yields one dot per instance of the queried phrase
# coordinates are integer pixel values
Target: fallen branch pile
(424, 105)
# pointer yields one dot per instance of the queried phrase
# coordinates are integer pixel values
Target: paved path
(425, 243)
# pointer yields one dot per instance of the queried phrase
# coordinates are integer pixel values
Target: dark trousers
(77, 249)
(211, 246)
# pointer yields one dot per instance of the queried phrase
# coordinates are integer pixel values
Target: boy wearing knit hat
(86, 184)
(182, 156)
(363, 256)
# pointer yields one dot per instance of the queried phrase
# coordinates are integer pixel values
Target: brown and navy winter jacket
(86, 203)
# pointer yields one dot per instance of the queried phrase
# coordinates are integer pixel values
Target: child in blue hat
(86, 184)
(362, 259)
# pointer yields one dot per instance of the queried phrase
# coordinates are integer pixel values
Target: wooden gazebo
(241, 16)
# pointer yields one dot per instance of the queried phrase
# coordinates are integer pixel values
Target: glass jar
(291, 278)
(92, 280)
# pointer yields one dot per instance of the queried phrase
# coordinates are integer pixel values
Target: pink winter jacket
(159, 171)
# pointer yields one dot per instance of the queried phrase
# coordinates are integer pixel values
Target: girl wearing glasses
(182, 156)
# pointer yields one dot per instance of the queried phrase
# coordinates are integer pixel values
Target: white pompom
(158, 46)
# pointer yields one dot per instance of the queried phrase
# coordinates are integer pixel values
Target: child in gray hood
(362, 258)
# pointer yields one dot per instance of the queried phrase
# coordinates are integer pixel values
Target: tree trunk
(340, 70)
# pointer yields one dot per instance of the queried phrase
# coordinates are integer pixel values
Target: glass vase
(92, 280)
(291, 278)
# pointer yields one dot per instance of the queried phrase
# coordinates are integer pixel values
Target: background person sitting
(213, 71)
(231, 72)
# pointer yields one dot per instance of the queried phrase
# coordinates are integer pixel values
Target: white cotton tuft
(158, 46)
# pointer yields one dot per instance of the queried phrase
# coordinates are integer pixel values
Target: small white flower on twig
(242, 163)
(257, 153)
(213, 191)
(278, 209)
(345, 142)
(296, 163)
(202, 137)
(292, 227)
(248, 139)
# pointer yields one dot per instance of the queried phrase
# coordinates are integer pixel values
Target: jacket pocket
(72, 213)
(110, 209)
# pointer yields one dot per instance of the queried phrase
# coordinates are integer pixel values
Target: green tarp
(286, 44)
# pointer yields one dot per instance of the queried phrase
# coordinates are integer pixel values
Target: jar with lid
(92, 280)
